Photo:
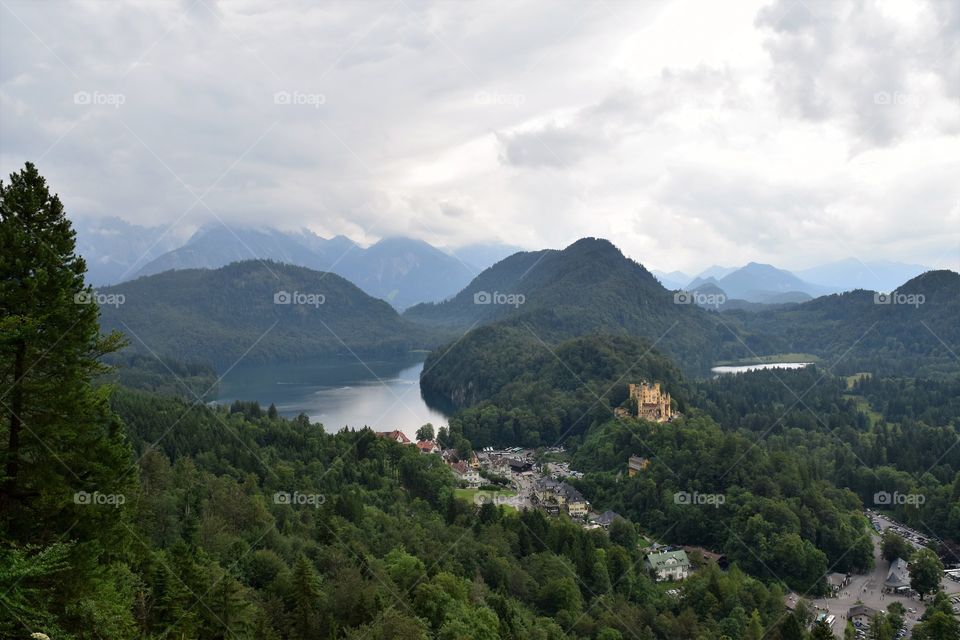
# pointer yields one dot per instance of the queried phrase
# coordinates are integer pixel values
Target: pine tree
(755, 627)
(306, 599)
(66, 467)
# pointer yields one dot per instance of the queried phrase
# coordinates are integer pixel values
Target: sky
(793, 132)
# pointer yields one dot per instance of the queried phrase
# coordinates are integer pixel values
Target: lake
(760, 367)
(381, 394)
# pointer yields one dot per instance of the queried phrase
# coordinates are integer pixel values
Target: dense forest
(535, 395)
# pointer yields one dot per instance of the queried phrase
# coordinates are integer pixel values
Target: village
(521, 478)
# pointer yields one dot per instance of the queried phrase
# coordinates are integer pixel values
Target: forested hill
(507, 276)
(531, 395)
(224, 314)
(912, 330)
(590, 287)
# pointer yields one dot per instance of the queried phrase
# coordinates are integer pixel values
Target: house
(544, 490)
(606, 519)
(474, 460)
(837, 581)
(466, 474)
(577, 505)
(518, 465)
(636, 464)
(668, 565)
(861, 614)
(396, 436)
(428, 446)
(898, 577)
(550, 492)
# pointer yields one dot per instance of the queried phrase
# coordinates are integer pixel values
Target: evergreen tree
(755, 627)
(306, 600)
(67, 469)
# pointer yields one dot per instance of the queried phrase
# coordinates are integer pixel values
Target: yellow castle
(652, 403)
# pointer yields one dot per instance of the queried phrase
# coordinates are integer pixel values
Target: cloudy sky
(689, 133)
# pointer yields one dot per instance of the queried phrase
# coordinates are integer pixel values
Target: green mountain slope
(912, 330)
(222, 315)
(588, 288)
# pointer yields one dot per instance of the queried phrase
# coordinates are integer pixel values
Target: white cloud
(687, 132)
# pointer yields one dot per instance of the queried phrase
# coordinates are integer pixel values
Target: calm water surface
(382, 394)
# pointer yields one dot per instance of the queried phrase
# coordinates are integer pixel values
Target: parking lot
(868, 589)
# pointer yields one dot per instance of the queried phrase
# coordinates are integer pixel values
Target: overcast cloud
(688, 133)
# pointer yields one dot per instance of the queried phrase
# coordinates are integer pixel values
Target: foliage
(926, 571)
(541, 395)
(893, 546)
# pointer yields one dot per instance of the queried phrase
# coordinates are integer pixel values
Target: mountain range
(406, 272)
(766, 284)
(115, 249)
(526, 303)
(402, 271)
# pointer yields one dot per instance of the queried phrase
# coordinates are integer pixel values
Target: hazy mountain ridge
(402, 271)
(115, 249)
(851, 273)
(756, 282)
(767, 284)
